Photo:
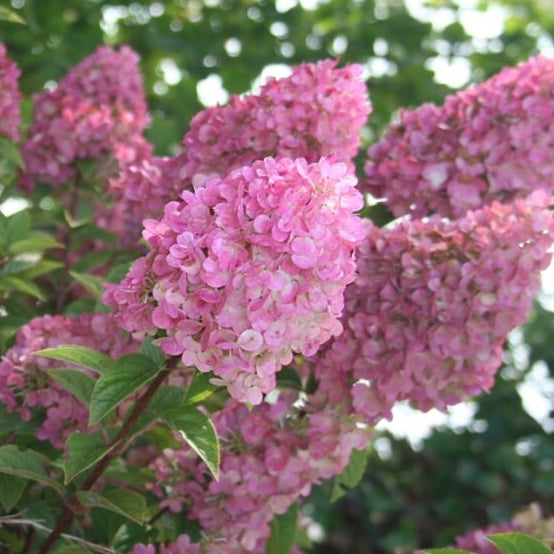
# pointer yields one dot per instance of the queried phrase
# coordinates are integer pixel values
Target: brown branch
(119, 444)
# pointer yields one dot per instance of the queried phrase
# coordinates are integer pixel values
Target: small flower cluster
(24, 381)
(317, 111)
(247, 270)
(493, 141)
(433, 304)
(271, 457)
(10, 116)
(98, 109)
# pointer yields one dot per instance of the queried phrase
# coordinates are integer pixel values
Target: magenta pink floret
(247, 270)
(491, 142)
(10, 117)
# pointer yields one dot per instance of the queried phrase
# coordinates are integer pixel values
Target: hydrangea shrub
(185, 392)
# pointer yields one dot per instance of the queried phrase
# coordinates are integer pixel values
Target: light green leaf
(79, 384)
(17, 226)
(79, 355)
(351, 475)
(200, 388)
(199, 432)
(16, 266)
(41, 268)
(283, 531)
(10, 282)
(128, 374)
(10, 490)
(27, 464)
(124, 502)
(36, 242)
(84, 451)
(9, 15)
(92, 283)
(518, 543)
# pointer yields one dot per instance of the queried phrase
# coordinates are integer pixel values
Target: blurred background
(429, 478)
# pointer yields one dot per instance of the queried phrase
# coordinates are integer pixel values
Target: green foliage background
(458, 480)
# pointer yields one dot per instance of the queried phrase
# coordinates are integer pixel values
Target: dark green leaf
(79, 384)
(84, 451)
(129, 374)
(283, 531)
(27, 464)
(79, 355)
(123, 502)
(287, 378)
(199, 432)
(518, 543)
(10, 490)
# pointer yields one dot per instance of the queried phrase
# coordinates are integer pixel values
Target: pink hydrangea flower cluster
(433, 303)
(493, 141)
(25, 384)
(317, 111)
(271, 457)
(182, 545)
(10, 96)
(247, 270)
(98, 109)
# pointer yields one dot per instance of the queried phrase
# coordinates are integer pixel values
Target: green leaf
(351, 475)
(72, 549)
(124, 502)
(129, 374)
(283, 531)
(79, 355)
(36, 242)
(155, 353)
(446, 551)
(199, 432)
(13, 17)
(200, 388)
(288, 378)
(16, 266)
(41, 268)
(84, 451)
(27, 464)
(10, 490)
(17, 226)
(10, 282)
(79, 384)
(92, 283)
(518, 543)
